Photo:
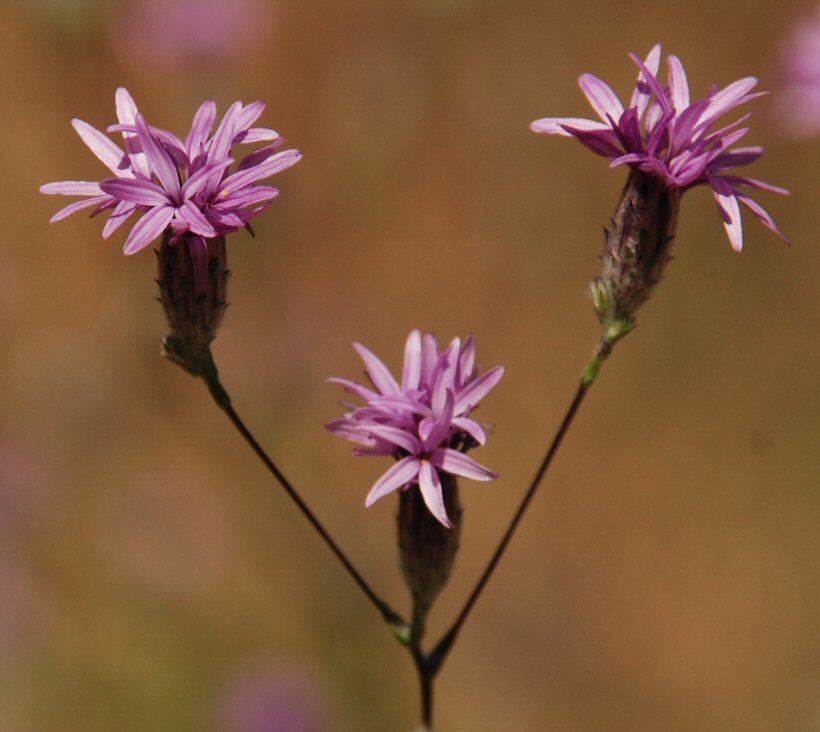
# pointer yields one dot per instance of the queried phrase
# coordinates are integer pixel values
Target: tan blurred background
(152, 577)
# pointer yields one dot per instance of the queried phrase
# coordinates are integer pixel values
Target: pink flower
(184, 187)
(424, 422)
(666, 134)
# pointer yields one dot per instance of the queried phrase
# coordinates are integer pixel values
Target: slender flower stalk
(669, 144)
(424, 422)
(185, 192)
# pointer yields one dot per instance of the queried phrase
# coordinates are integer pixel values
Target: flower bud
(427, 548)
(192, 281)
(637, 250)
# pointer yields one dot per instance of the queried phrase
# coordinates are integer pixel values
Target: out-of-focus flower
(799, 100)
(424, 422)
(191, 33)
(272, 698)
(665, 134)
(184, 187)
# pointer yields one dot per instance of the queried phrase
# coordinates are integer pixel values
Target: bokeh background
(152, 577)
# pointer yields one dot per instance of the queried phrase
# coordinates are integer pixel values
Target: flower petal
(196, 221)
(411, 372)
(599, 94)
(77, 206)
(763, 215)
(135, 190)
(382, 379)
(121, 213)
(158, 159)
(200, 128)
(269, 167)
(559, 125)
(72, 188)
(400, 474)
(148, 228)
(678, 84)
(729, 210)
(109, 154)
(430, 485)
(457, 463)
(474, 392)
(397, 436)
(127, 114)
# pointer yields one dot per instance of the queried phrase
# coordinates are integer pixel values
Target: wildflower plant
(191, 194)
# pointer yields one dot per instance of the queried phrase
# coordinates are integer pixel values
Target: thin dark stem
(439, 653)
(223, 401)
(426, 675)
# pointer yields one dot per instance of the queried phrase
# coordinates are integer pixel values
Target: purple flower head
(800, 72)
(664, 133)
(183, 187)
(424, 421)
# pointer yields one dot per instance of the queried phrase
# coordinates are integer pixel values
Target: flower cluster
(182, 186)
(667, 135)
(424, 421)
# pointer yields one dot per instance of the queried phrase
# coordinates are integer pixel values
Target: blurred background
(152, 577)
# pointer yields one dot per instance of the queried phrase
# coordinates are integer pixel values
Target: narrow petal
(642, 92)
(196, 220)
(76, 206)
(254, 135)
(127, 114)
(158, 159)
(728, 99)
(207, 174)
(135, 190)
(400, 474)
(72, 188)
(457, 463)
(678, 84)
(559, 125)
(441, 428)
(382, 378)
(260, 155)
(397, 436)
(269, 167)
(472, 428)
(430, 486)
(121, 213)
(200, 128)
(474, 392)
(466, 362)
(729, 211)
(763, 215)
(354, 388)
(248, 197)
(652, 82)
(221, 142)
(444, 376)
(599, 94)
(603, 142)
(411, 372)
(742, 180)
(109, 154)
(429, 359)
(148, 228)
(248, 115)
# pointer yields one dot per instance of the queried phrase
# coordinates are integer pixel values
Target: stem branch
(223, 401)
